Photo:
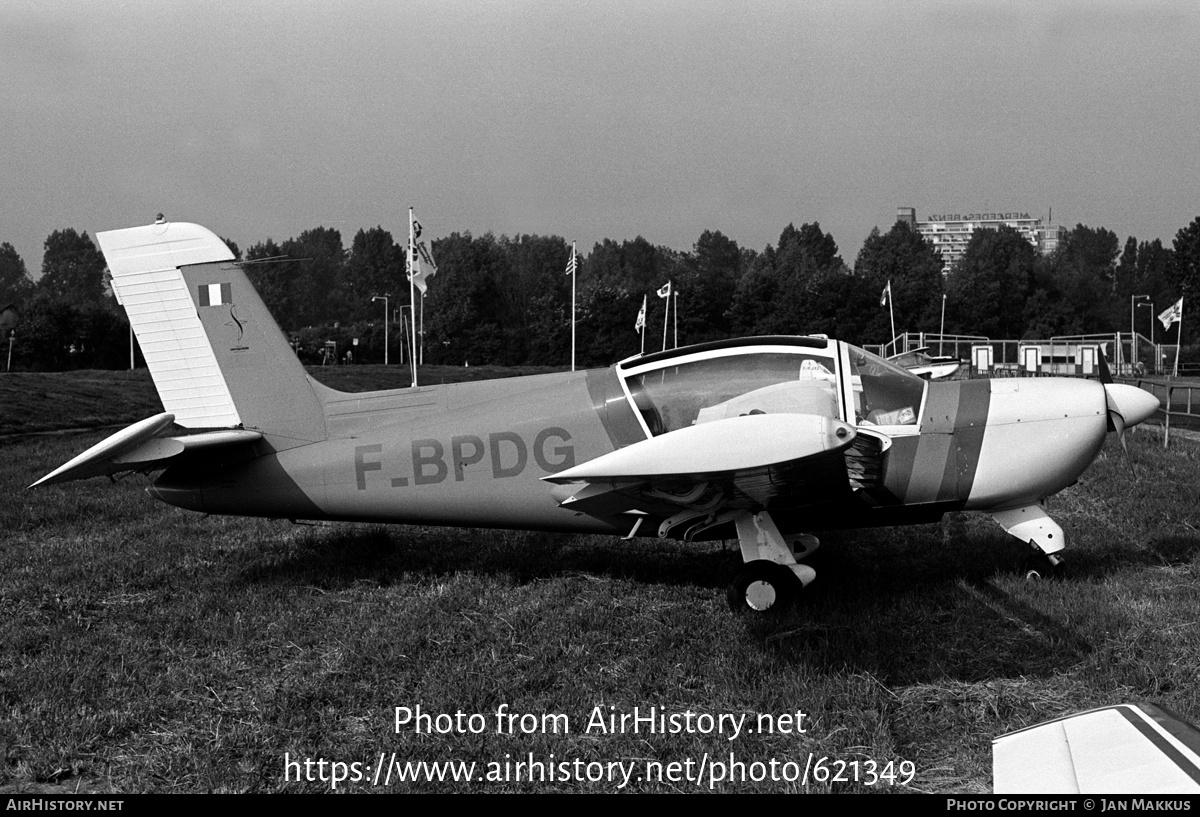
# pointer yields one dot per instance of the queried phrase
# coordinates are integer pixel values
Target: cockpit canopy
(798, 375)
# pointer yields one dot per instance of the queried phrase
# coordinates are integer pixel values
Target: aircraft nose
(1132, 404)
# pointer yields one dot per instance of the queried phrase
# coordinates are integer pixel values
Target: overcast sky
(593, 120)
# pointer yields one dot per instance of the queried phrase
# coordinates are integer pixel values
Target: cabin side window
(702, 391)
(884, 394)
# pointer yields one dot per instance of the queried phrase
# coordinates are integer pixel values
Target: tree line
(507, 300)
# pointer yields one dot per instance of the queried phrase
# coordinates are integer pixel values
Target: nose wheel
(1038, 566)
(763, 587)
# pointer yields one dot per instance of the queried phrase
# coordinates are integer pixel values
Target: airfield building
(950, 232)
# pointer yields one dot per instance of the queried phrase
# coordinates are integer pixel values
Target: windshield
(701, 391)
(884, 394)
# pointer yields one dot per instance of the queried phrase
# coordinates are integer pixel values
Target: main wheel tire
(762, 587)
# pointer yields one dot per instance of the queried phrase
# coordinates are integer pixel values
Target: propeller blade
(1105, 374)
(1118, 425)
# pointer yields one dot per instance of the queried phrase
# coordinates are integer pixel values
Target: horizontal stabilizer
(139, 447)
(726, 446)
(1124, 749)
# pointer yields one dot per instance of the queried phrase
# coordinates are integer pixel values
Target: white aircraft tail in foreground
(1123, 749)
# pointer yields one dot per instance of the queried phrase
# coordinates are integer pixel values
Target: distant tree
(319, 275)
(72, 269)
(634, 264)
(1187, 258)
(54, 334)
(1082, 274)
(46, 332)
(15, 283)
(462, 325)
(1125, 274)
(705, 281)
(535, 305)
(795, 287)
(375, 266)
(988, 286)
(1144, 269)
(755, 308)
(615, 279)
(273, 282)
(1154, 267)
(305, 288)
(815, 278)
(607, 317)
(914, 268)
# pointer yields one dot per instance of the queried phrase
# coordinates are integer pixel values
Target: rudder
(217, 357)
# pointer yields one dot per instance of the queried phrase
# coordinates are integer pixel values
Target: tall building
(950, 232)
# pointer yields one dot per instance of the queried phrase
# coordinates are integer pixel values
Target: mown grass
(147, 648)
(50, 401)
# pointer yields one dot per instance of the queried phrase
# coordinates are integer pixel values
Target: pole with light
(1152, 350)
(404, 330)
(383, 298)
(942, 331)
(1132, 331)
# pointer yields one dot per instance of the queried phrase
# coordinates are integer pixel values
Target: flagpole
(667, 316)
(1178, 340)
(942, 332)
(573, 269)
(412, 297)
(641, 323)
(675, 295)
(892, 314)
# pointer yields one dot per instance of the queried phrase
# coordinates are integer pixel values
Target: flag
(641, 319)
(215, 294)
(571, 265)
(887, 294)
(1172, 314)
(420, 259)
(665, 291)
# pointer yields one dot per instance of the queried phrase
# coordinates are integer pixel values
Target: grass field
(145, 648)
(48, 401)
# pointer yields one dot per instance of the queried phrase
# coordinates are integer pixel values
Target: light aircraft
(923, 364)
(763, 439)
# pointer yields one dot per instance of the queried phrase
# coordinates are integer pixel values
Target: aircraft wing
(141, 448)
(1123, 749)
(707, 474)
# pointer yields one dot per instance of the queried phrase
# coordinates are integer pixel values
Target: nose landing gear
(1038, 566)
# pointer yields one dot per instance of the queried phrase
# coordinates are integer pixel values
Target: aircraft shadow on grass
(943, 619)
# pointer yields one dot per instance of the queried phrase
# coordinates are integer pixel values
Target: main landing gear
(772, 577)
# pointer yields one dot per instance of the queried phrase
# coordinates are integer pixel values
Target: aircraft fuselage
(474, 454)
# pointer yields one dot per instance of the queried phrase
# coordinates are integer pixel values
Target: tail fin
(217, 357)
